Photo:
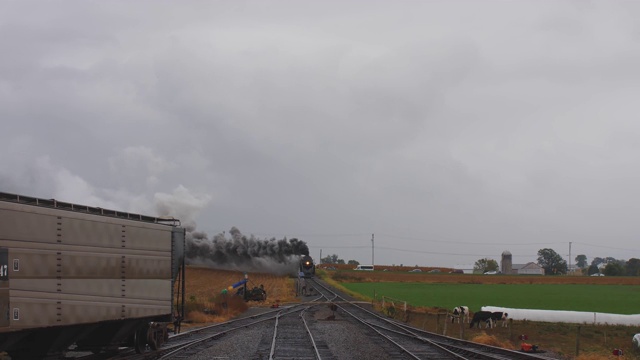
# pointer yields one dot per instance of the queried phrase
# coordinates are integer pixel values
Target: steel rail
(172, 350)
(467, 346)
(273, 341)
(313, 341)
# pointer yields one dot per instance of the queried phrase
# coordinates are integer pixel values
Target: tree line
(554, 264)
(550, 261)
(334, 259)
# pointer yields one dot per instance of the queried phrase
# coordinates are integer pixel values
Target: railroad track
(405, 342)
(289, 336)
(292, 338)
(186, 344)
(293, 332)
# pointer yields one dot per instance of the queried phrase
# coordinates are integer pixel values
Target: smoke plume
(243, 253)
(47, 179)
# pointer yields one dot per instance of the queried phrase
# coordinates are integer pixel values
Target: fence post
(406, 313)
(444, 328)
(578, 341)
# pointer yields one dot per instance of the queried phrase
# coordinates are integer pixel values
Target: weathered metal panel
(34, 263)
(33, 312)
(89, 232)
(4, 287)
(147, 267)
(67, 268)
(144, 237)
(116, 290)
(19, 224)
(42, 308)
(29, 263)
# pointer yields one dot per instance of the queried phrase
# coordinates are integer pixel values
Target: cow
(499, 316)
(481, 316)
(460, 312)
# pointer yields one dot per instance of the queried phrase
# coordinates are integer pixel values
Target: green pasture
(615, 299)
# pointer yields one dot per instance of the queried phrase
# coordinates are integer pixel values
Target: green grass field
(615, 299)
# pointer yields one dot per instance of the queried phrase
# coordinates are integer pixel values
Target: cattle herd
(491, 319)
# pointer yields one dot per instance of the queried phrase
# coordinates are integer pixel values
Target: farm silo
(506, 263)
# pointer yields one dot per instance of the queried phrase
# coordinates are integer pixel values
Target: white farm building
(530, 268)
(507, 267)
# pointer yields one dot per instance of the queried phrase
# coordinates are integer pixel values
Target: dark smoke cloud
(243, 253)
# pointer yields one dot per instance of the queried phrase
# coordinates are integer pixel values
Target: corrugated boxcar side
(67, 268)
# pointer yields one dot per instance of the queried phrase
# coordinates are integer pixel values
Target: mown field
(433, 294)
(616, 299)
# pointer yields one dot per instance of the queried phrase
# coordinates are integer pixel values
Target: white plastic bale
(575, 317)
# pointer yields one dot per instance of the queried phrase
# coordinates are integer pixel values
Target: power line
(414, 251)
(604, 247)
(426, 240)
(451, 241)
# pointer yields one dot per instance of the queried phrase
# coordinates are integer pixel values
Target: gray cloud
(445, 128)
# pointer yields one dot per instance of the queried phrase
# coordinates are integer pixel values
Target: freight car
(307, 267)
(89, 277)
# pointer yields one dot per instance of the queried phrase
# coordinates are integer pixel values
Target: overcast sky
(452, 130)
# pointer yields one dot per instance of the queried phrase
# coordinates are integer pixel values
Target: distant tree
(613, 268)
(353, 262)
(552, 263)
(609, 259)
(581, 261)
(633, 267)
(597, 261)
(593, 269)
(484, 265)
(331, 259)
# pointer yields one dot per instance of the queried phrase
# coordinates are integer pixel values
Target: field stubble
(205, 302)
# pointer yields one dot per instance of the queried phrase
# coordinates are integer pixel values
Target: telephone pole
(569, 258)
(372, 263)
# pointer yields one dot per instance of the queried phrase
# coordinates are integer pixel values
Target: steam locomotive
(307, 267)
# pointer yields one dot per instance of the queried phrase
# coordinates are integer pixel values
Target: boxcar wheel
(140, 340)
(153, 339)
(155, 335)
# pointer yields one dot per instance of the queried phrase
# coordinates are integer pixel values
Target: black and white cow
(460, 312)
(499, 316)
(480, 316)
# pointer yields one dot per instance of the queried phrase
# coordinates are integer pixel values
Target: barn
(467, 269)
(529, 268)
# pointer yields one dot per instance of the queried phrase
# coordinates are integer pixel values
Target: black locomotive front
(307, 267)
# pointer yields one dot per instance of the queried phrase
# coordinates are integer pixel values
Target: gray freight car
(86, 277)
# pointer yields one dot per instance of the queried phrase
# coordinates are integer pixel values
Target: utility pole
(569, 257)
(320, 260)
(372, 263)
